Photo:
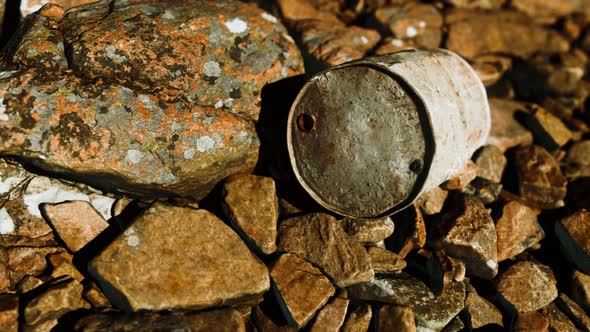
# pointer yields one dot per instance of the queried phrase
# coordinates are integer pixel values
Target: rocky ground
(130, 130)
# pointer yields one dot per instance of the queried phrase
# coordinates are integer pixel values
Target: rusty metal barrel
(367, 137)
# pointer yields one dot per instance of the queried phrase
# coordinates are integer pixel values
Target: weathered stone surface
(252, 206)
(432, 201)
(331, 317)
(430, 311)
(443, 270)
(395, 318)
(532, 321)
(264, 323)
(558, 321)
(157, 116)
(96, 298)
(491, 68)
(61, 296)
(517, 230)
(414, 23)
(368, 231)
(384, 261)
(175, 257)
(540, 179)
(319, 239)
(572, 233)
(359, 319)
(417, 237)
(481, 311)
(484, 189)
(480, 4)
(506, 131)
(471, 237)
(549, 130)
(578, 163)
(549, 12)
(62, 265)
(296, 10)
(455, 325)
(223, 320)
(461, 180)
(23, 261)
(29, 283)
(9, 312)
(76, 222)
(528, 286)
(580, 291)
(30, 6)
(302, 289)
(506, 32)
(490, 163)
(574, 311)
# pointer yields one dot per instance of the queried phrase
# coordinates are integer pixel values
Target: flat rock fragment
(178, 257)
(532, 321)
(558, 321)
(506, 131)
(331, 316)
(432, 201)
(395, 318)
(414, 23)
(462, 179)
(527, 286)
(368, 231)
(572, 233)
(517, 230)
(580, 291)
(481, 311)
(574, 311)
(31, 6)
(9, 312)
(455, 325)
(24, 261)
(384, 261)
(264, 323)
(490, 163)
(549, 130)
(76, 222)
(487, 191)
(62, 265)
(319, 239)
(578, 163)
(301, 288)
(359, 319)
(252, 206)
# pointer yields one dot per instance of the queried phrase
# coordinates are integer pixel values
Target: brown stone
(481, 311)
(384, 261)
(574, 311)
(480, 4)
(96, 298)
(9, 312)
(455, 325)
(359, 319)
(484, 189)
(23, 261)
(60, 297)
(302, 288)
(462, 179)
(432, 201)
(528, 286)
(264, 323)
(331, 317)
(417, 237)
(29, 283)
(572, 233)
(296, 10)
(31, 6)
(416, 23)
(471, 237)
(558, 321)
(368, 231)
(491, 68)
(223, 320)
(443, 270)
(178, 257)
(76, 222)
(390, 45)
(580, 290)
(287, 209)
(395, 318)
(252, 206)
(532, 321)
(62, 265)
(578, 163)
(506, 131)
(430, 311)
(549, 130)
(490, 163)
(540, 179)
(517, 230)
(319, 239)
(544, 12)
(507, 32)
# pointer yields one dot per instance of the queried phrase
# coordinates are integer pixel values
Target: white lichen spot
(284, 72)
(236, 25)
(288, 38)
(167, 15)
(6, 223)
(219, 104)
(3, 115)
(134, 156)
(422, 24)
(133, 241)
(411, 32)
(189, 154)
(364, 40)
(104, 206)
(383, 287)
(397, 42)
(228, 102)
(40, 190)
(111, 52)
(9, 183)
(491, 264)
(269, 17)
(205, 143)
(212, 68)
(424, 329)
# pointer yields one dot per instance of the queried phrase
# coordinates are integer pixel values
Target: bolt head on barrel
(365, 138)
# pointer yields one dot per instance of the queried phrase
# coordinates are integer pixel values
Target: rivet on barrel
(365, 138)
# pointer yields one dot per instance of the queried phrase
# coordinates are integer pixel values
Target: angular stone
(96, 298)
(223, 320)
(30, 6)
(506, 131)
(532, 321)
(76, 222)
(558, 321)
(486, 190)
(578, 163)
(331, 316)
(297, 10)
(580, 290)
(455, 325)
(107, 117)
(549, 130)
(359, 319)
(507, 32)
(420, 24)
(395, 318)
(252, 206)
(61, 296)
(443, 270)
(491, 68)
(432, 201)
(384, 261)
(176, 257)
(23, 261)
(517, 230)
(549, 12)
(319, 239)
(264, 323)
(461, 180)
(417, 238)
(572, 233)
(528, 286)
(368, 231)
(471, 237)
(481, 311)
(29, 283)
(62, 265)
(480, 4)
(574, 311)
(490, 162)
(430, 311)
(540, 179)
(301, 288)
(9, 312)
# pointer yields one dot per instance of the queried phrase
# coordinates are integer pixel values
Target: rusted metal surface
(367, 137)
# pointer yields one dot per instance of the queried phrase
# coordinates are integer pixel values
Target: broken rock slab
(432, 201)
(572, 233)
(558, 321)
(506, 131)
(368, 231)
(395, 318)
(178, 257)
(532, 321)
(359, 319)
(301, 288)
(580, 291)
(481, 312)
(517, 230)
(384, 261)
(490, 163)
(527, 286)
(319, 239)
(331, 316)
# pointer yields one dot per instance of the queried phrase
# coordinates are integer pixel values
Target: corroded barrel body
(367, 137)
